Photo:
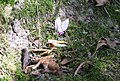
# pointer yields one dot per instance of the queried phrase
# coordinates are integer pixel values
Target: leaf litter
(46, 62)
(45, 59)
(49, 63)
(105, 43)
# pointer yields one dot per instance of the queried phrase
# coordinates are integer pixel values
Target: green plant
(11, 2)
(19, 76)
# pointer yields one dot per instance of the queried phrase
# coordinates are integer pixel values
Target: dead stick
(34, 67)
(81, 66)
(39, 50)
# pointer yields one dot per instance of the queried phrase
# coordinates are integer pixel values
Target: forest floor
(31, 49)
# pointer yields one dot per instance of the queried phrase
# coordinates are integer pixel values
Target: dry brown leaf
(56, 43)
(101, 2)
(49, 63)
(101, 42)
(50, 45)
(36, 73)
(106, 42)
(112, 43)
(66, 60)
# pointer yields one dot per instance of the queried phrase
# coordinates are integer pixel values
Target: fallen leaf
(50, 45)
(49, 63)
(56, 43)
(112, 43)
(59, 45)
(101, 2)
(106, 42)
(66, 60)
(36, 73)
(101, 42)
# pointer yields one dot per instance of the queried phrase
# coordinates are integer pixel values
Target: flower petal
(65, 24)
(57, 24)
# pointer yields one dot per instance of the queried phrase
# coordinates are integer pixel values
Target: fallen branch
(44, 51)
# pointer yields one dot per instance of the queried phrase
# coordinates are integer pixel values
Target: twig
(39, 50)
(106, 11)
(45, 51)
(34, 67)
(94, 54)
(88, 62)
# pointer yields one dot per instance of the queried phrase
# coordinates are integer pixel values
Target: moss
(11, 2)
(19, 76)
(83, 34)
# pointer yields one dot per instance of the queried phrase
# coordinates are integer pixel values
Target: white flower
(60, 27)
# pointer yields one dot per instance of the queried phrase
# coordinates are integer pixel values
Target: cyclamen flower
(60, 26)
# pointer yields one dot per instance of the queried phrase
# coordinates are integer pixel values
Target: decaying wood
(25, 58)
